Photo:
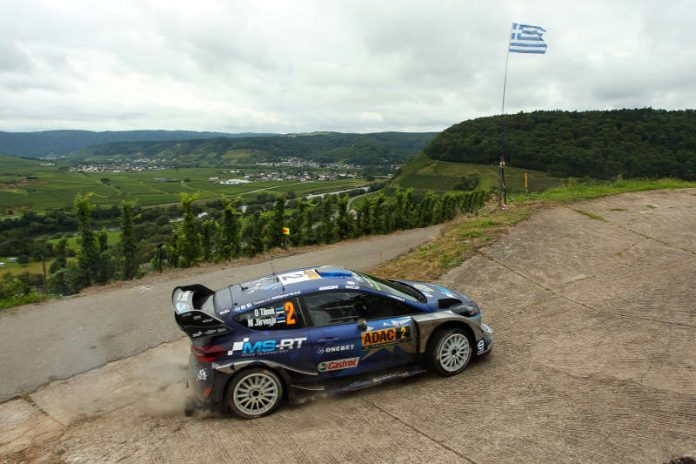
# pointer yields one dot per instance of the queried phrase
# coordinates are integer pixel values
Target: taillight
(207, 353)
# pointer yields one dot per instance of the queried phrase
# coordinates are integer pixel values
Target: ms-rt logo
(266, 346)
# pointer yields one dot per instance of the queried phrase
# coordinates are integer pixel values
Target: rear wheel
(449, 352)
(255, 393)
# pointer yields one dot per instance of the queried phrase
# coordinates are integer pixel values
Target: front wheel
(449, 352)
(255, 393)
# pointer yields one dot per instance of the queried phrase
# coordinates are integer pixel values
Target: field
(32, 184)
(422, 173)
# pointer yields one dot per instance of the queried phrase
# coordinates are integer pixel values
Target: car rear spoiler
(191, 317)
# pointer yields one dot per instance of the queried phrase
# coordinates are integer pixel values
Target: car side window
(382, 307)
(328, 308)
(282, 315)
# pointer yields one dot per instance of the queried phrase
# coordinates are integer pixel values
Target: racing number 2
(290, 313)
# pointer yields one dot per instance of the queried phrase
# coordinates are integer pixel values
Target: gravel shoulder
(594, 362)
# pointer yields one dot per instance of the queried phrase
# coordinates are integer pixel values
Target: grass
(112, 238)
(461, 238)
(588, 191)
(33, 267)
(423, 173)
(457, 242)
(33, 297)
(40, 186)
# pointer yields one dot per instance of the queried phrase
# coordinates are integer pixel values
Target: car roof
(246, 295)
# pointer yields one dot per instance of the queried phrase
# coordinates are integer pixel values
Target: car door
(390, 338)
(333, 332)
(355, 332)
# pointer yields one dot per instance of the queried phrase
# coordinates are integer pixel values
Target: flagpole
(502, 195)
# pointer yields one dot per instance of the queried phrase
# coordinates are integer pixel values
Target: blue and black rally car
(325, 329)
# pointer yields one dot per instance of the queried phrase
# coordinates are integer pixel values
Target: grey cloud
(331, 65)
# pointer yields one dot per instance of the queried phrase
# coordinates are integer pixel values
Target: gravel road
(595, 362)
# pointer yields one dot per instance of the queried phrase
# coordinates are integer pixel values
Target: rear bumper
(206, 385)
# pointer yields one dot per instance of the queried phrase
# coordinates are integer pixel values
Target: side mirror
(362, 325)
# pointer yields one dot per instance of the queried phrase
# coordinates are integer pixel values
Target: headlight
(487, 328)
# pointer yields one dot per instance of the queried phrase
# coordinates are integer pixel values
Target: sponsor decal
(396, 322)
(285, 295)
(266, 346)
(328, 287)
(480, 345)
(202, 375)
(447, 292)
(384, 337)
(300, 276)
(422, 287)
(338, 364)
(335, 349)
(183, 296)
(224, 311)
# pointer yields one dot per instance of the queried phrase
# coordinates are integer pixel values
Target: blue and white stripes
(526, 38)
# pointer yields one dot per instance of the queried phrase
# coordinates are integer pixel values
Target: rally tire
(449, 351)
(254, 393)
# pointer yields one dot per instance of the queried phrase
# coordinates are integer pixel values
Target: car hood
(438, 297)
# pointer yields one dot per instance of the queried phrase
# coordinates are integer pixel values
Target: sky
(331, 65)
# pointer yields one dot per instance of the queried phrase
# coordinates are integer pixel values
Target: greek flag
(527, 39)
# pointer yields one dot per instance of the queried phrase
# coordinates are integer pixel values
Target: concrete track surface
(595, 362)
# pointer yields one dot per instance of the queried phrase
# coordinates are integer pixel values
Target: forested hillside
(367, 149)
(599, 144)
(60, 142)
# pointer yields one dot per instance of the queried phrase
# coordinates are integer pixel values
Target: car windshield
(395, 288)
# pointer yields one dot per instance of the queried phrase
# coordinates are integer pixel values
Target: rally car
(320, 330)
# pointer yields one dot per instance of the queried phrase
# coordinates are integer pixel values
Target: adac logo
(377, 338)
(338, 364)
(266, 346)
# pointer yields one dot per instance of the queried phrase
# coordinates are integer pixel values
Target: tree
(278, 222)
(88, 255)
(326, 226)
(128, 242)
(297, 232)
(60, 252)
(208, 233)
(190, 243)
(253, 239)
(104, 266)
(343, 223)
(229, 245)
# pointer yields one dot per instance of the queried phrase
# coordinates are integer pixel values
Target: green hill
(423, 173)
(598, 144)
(365, 149)
(60, 142)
